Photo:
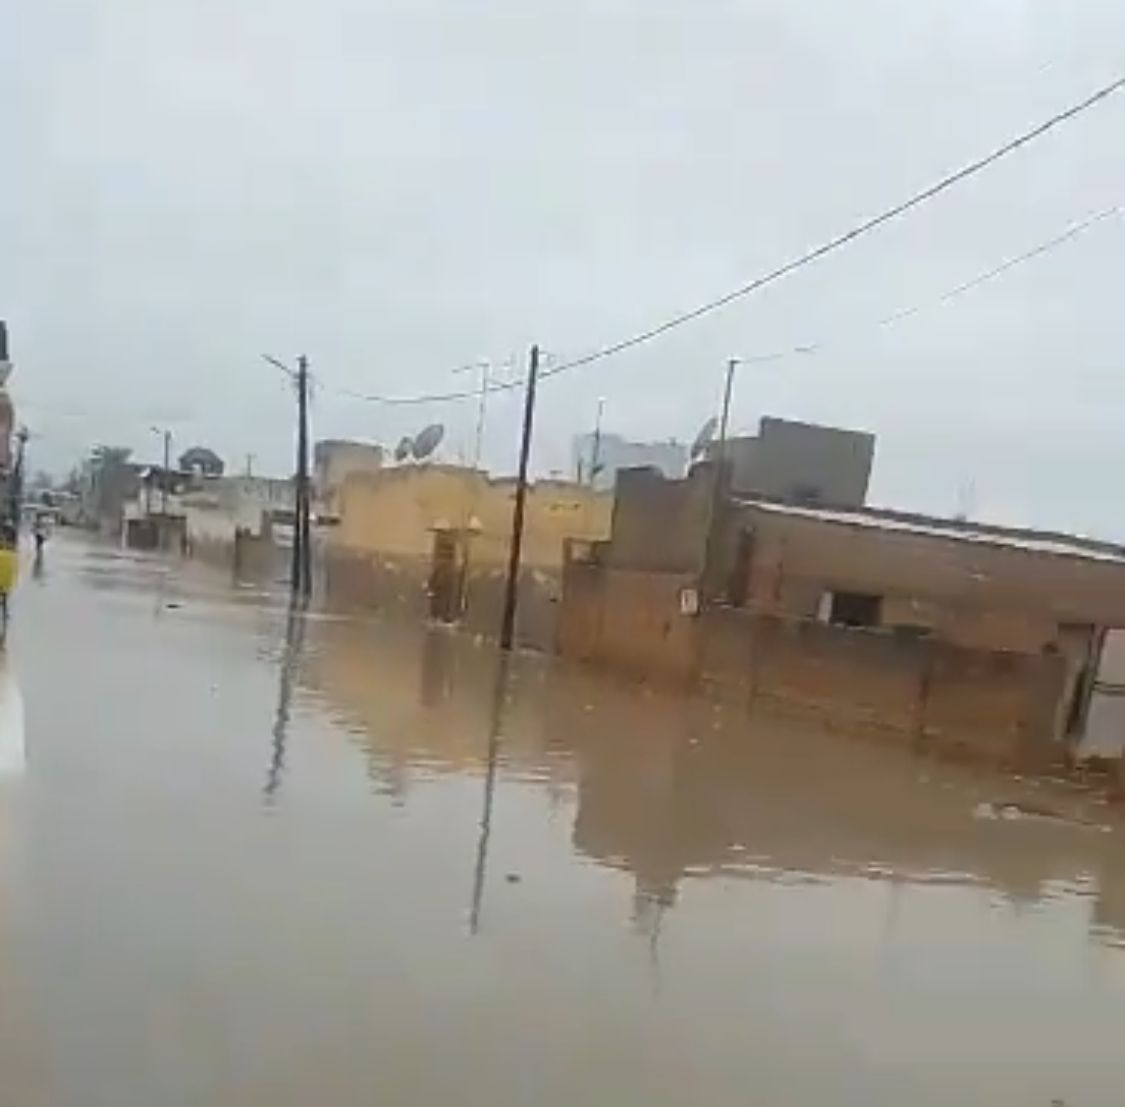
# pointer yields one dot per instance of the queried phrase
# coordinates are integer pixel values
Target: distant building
(334, 459)
(217, 509)
(110, 480)
(610, 452)
(801, 463)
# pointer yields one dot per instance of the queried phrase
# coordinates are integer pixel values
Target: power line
(813, 347)
(788, 267)
(1042, 248)
(1011, 263)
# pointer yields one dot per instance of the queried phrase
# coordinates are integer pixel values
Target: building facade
(335, 459)
(942, 629)
(433, 541)
(800, 462)
(597, 458)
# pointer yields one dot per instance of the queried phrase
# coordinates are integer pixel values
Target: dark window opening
(807, 494)
(855, 609)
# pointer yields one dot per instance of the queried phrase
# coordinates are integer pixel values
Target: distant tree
(201, 460)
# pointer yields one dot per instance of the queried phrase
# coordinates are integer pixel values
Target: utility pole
(166, 436)
(167, 464)
(596, 448)
(719, 481)
(732, 365)
(301, 571)
(249, 465)
(300, 566)
(22, 436)
(508, 624)
(484, 368)
(482, 407)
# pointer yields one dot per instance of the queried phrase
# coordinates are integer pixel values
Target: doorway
(447, 576)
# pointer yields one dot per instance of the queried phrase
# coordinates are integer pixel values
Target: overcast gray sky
(401, 188)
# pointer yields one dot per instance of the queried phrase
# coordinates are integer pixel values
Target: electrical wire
(1003, 267)
(806, 348)
(832, 245)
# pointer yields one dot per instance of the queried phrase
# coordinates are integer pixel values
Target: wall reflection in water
(668, 789)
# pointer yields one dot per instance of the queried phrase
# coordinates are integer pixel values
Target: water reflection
(288, 665)
(668, 790)
(499, 698)
(672, 903)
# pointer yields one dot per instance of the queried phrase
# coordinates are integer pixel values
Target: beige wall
(380, 554)
(395, 512)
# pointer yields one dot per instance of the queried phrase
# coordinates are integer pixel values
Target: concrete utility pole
(167, 466)
(166, 435)
(724, 419)
(18, 470)
(508, 623)
(596, 449)
(719, 481)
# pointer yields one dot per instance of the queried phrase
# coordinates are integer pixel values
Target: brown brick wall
(628, 621)
(973, 594)
(997, 704)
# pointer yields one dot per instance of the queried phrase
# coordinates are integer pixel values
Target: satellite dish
(703, 438)
(402, 450)
(427, 439)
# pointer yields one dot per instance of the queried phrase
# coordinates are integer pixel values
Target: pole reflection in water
(496, 722)
(290, 660)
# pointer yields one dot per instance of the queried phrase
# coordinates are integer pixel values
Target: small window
(851, 609)
(808, 495)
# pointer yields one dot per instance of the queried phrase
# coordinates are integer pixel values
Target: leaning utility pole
(732, 365)
(508, 624)
(596, 448)
(720, 483)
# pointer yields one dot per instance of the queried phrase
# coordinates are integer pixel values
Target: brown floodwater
(250, 859)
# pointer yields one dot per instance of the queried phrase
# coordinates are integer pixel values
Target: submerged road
(251, 859)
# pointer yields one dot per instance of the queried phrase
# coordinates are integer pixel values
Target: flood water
(247, 859)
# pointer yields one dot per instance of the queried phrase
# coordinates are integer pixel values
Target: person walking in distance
(40, 534)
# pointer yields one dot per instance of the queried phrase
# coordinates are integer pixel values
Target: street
(254, 857)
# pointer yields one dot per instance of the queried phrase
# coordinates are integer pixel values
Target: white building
(607, 453)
